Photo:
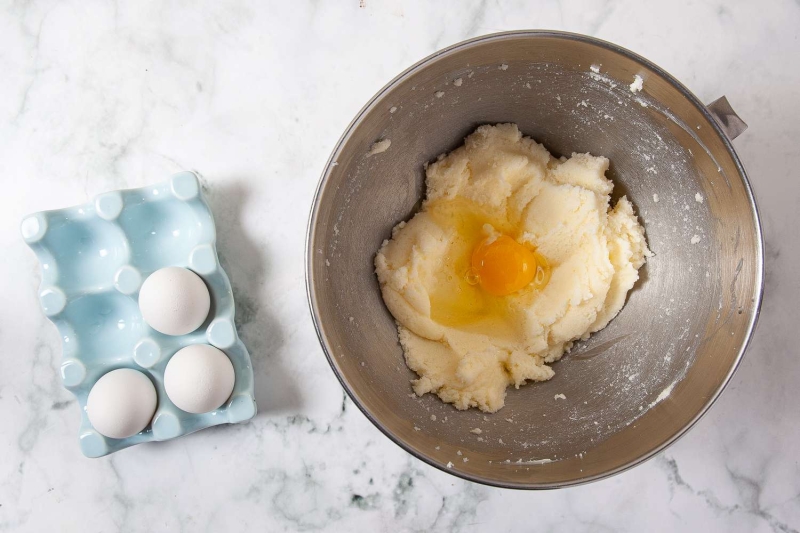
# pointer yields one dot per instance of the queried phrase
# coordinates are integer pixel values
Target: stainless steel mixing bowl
(636, 386)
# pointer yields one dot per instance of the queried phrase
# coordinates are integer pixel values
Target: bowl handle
(726, 117)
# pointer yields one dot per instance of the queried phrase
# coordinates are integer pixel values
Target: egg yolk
(502, 266)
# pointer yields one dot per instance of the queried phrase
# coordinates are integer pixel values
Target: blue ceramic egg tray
(94, 258)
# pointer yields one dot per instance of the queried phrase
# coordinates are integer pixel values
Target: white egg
(174, 301)
(199, 378)
(121, 403)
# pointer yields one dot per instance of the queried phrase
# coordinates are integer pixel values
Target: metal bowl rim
(311, 229)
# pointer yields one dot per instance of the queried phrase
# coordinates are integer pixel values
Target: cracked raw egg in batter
(482, 265)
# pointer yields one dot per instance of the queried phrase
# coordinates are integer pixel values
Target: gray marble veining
(102, 95)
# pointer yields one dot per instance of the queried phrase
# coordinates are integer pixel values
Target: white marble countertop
(101, 95)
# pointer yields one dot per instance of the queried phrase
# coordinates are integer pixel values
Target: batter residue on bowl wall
(514, 256)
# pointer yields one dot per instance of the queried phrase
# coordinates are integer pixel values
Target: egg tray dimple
(94, 258)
